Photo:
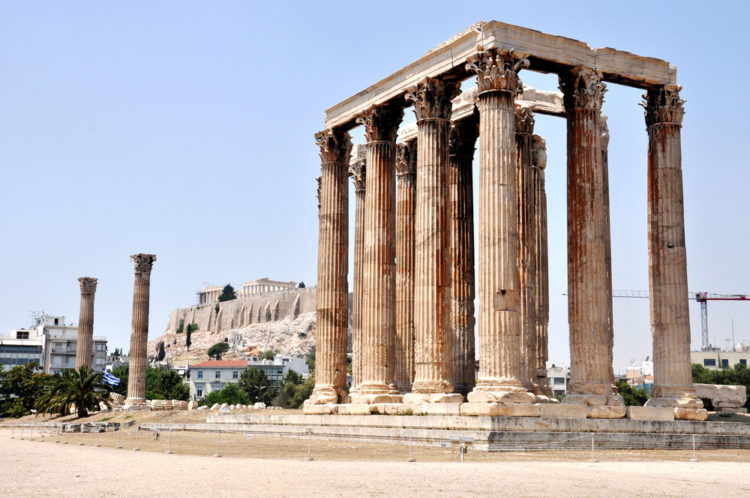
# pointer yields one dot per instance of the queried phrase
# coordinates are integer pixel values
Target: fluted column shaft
(333, 244)
(406, 166)
(670, 326)
(589, 276)
(541, 255)
(462, 142)
(432, 354)
(85, 341)
(379, 306)
(139, 333)
(358, 173)
(499, 320)
(526, 199)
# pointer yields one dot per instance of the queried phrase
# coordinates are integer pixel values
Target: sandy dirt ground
(276, 467)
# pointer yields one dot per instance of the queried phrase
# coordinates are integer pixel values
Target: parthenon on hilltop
(413, 315)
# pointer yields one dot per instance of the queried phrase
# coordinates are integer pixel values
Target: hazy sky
(186, 129)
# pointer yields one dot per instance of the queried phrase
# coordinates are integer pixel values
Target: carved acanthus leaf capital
(381, 121)
(358, 172)
(663, 105)
(538, 152)
(335, 146)
(582, 88)
(463, 136)
(143, 262)
(524, 120)
(497, 70)
(433, 98)
(88, 285)
(406, 159)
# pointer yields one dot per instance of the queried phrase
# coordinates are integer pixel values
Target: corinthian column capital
(381, 122)
(335, 146)
(582, 88)
(358, 172)
(143, 262)
(663, 105)
(497, 70)
(432, 98)
(88, 285)
(538, 152)
(406, 159)
(524, 120)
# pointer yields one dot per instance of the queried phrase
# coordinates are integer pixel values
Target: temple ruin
(414, 271)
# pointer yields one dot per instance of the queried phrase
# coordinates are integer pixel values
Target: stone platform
(488, 433)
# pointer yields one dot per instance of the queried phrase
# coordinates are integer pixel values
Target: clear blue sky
(186, 129)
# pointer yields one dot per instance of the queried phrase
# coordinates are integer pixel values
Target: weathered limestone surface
(589, 276)
(378, 310)
(139, 334)
(724, 398)
(432, 355)
(406, 166)
(333, 244)
(463, 136)
(670, 321)
(499, 321)
(358, 171)
(85, 341)
(650, 413)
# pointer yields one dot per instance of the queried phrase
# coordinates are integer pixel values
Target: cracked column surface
(85, 341)
(406, 168)
(333, 251)
(589, 272)
(670, 326)
(139, 334)
(463, 139)
(541, 286)
(358, 173)
(499, 320)
(379, 305)
(432, 350)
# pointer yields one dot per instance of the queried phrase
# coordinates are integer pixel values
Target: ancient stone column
(406, 169)
(499, 317)
(589, 275)
(432, 351)
(526, 198)
(332, 323)
(379, 306)
(139, 334)
(670, 327)
(541, 286)
(85, 341)
(358, 173)
(463, 137)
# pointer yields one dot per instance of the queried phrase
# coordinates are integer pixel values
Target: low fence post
(119, 446)
(169, 442)
(218, 442)
(309, 457)
(137, 430)
(592, 459)
(411, 458)
(694, 458)
(80, 440)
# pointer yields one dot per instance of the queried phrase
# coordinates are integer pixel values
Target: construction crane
(702, 297)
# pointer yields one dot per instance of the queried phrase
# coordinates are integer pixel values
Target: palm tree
(82, 389)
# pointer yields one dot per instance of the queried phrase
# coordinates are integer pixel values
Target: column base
(361, 398)
(485, 409)
(135, 404)
(323, 395)
(418, 398)
(432, 387)
(685, 404)
(600, 400)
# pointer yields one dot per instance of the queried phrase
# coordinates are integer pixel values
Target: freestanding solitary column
(463, 138)
(541, 287)
(406, 168)
(85, 342)
(670, 326)
(499, 285)
(139, 334)
(526, 254)
(432, 351)
(379, 306)
(589, 277)
(333, 293)
(358, 170)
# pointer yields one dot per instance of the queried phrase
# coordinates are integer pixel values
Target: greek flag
(110, 379)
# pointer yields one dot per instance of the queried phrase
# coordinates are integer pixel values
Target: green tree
(310, 360)
(81, 389)
(254, 382)
(161, 354)
(632, 396)
(231, 394)
(227, 294)
(188, 341)
(269, 354)
(292, 393)
(293, 377)
(20, 387)
(301, 285)
(218, 349)
(167, 385)
(181, 326)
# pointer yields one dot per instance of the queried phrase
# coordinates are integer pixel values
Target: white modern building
(558, 379)
(716, 359)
